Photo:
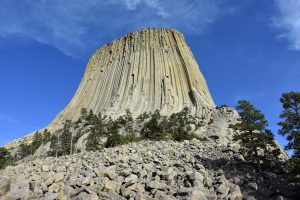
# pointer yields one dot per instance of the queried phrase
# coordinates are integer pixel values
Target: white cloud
(287, 21)
(7, 121)
(76, 27)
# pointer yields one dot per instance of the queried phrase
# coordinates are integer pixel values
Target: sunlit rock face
(146, 70)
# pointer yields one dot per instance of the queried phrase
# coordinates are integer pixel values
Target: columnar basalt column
(146, 70)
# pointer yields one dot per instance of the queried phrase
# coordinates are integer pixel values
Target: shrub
(5, 158)
(113, 140)
(153, 130)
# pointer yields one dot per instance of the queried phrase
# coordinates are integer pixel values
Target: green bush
(129, 138)
(116, 139)
(113, 140)
(38, 139)
(157, 127)
(5, 158)
(153, 129)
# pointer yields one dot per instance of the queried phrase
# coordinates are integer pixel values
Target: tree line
(257, 141)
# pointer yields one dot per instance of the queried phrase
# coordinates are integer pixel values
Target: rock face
(143, 71)
(204, 170)
(146, 70)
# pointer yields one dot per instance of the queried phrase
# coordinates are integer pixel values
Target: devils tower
(146, 70)
(152, 132)
(143, 71)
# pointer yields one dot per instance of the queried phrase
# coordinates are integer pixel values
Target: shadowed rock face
(143, 71)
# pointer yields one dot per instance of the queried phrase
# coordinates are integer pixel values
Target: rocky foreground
(146, 170)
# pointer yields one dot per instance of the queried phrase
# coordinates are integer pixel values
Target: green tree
(114, 139)
(5, 158)
(55, 146)
(23, 151)
(36, 143)
(153, 129)
(46, 136)
(97, 131)
(66, 139)
(84, 113)
(29, 149)
(129, 121)
(257, 140)
(90, 118)
(141, 118)
(290, 126)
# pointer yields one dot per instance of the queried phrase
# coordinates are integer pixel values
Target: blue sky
(246, 49)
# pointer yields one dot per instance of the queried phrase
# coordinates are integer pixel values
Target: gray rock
(86, 196)
(54, 188)
(61, 169)
(50, 196)
(111, 186)
(156, 185)
(196, 176)
(222, 190)
(266, 192)
(157, 170)
(59, 177)
(45, 168)
(197, 195)
(235, 193)
(252, 186)
(4, 185)
(125, 192)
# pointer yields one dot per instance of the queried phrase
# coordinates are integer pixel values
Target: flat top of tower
(145, 31)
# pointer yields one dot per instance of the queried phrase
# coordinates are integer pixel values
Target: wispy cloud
(76, 27)
(13, 126)
(287, 21)
(6, 121)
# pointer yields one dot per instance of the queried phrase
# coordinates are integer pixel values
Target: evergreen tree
(90, 118)
(36, 143)
(55, 145)
(46, 136)
(290, 126)
(84, 113)
(23, 151)
(129, 121)
(97, 131)
(141, 118)
(66, 138)
(152, 129)
(114, 139)
(29, 149)
(5, 158)
(254, 135)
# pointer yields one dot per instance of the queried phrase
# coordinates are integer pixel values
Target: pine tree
(90, 117)
(29, 149)
(129, 121)
(55, 145)
(97, 131)
(84, 113)
(290, 126)
(46, 136)
(152, 129)
(254, 135)
(5, 158)
(114, 139)
(23, 151)
(66, 138)
(36, 143)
